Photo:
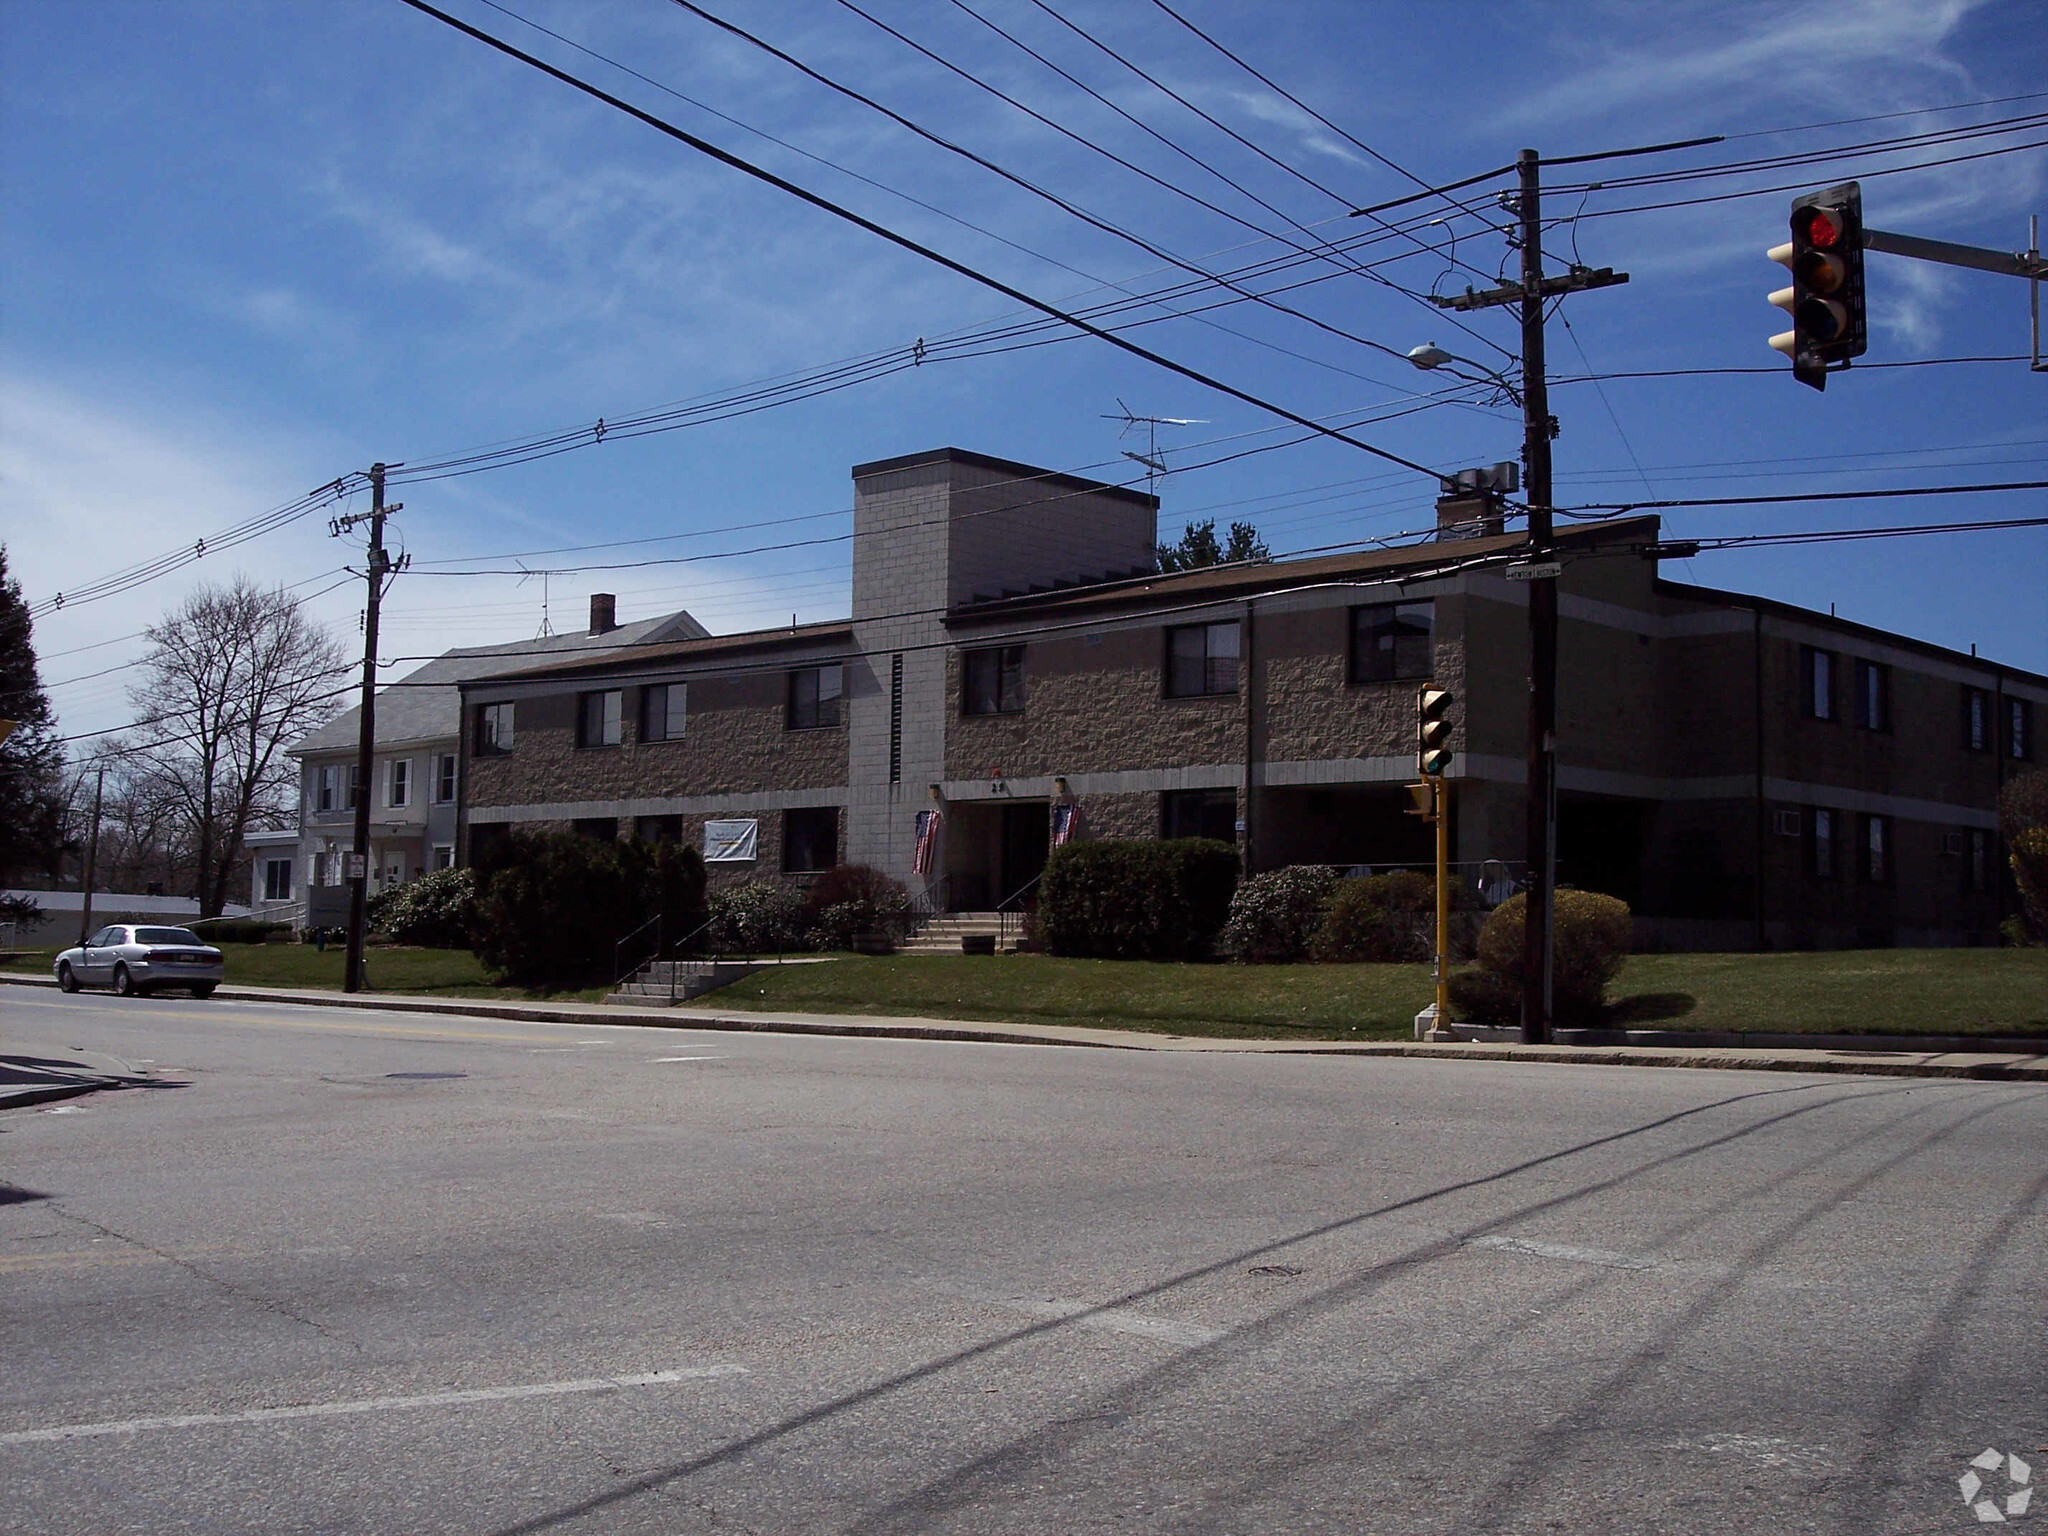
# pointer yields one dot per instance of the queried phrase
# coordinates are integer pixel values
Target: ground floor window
(658, 829)
(1199, 813)
(1876, 849)
(810, 838)
(444, 855)
(277, 879)
(603, 828)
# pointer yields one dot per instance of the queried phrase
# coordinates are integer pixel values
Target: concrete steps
(943, 934)
(690, 979)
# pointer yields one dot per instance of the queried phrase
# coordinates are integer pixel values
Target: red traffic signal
(1825, 256)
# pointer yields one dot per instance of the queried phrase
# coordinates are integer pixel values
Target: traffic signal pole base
(1427, 1027)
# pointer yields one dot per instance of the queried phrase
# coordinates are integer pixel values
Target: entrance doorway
(993, 850)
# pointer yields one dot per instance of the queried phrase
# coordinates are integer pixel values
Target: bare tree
(234, 675)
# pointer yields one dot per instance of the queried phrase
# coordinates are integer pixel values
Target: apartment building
(415, 772)
(1745, 773)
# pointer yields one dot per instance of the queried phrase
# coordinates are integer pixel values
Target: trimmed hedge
(1392, 917)
(1163, 900)
(1590, 940)
(240, 930)
(1273, 916)
(551, 907)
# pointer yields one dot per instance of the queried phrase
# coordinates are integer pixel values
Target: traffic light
(1825, 255)
(1432, 731)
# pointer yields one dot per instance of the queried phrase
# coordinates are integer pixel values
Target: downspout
(460, 836)
(1757, 668)
(1250, 744)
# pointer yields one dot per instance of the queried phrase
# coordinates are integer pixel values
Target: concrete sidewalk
(39, 1074)
(1888, 1056)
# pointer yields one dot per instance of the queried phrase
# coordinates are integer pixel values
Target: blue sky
(249, 247)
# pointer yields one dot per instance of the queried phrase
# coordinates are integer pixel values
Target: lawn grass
(391, 968)
(1894, 991)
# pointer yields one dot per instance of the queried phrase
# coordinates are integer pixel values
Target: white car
(135, 960)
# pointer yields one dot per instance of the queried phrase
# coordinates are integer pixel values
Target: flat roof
(1056, 477)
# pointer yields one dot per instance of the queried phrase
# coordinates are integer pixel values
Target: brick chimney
(604, 613)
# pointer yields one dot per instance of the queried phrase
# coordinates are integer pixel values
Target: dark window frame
(1212, 812)
(1823, 853)
(610, 722)
(2019, 729)
(1980, 722)
(1873, 696)
(1877, 853)
(792, 844)
(805, 704)
(1980, 847)
(497, 727)
(1365, 647)
(1212, 661)
(1810, 695)
(271, 866)
(1004, 693)
(659, 699)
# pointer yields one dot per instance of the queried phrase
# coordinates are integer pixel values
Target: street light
(1429, 357)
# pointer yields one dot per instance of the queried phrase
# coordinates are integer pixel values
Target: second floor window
(598, 718)
(1390, 641)
(444, 778)
(663, 709)
(992, 681)
(1818, 683)
(2019, 730)
(398, 782)
(493, 729)
(327, 788)
(1201, 659)
(1976, 720)
(1873, 696)
(814, 697)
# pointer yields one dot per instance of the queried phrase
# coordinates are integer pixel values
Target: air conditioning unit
(1787, 823)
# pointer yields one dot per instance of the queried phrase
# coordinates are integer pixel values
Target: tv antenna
(546, 629)
(1154, 465)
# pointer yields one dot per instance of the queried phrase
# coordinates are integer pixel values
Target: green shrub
(1590, 941)
(851, 899)
(1161, 900)
(436, 911)
(1389, 917)
(1273, 915)
(758, 917)
(553, 906)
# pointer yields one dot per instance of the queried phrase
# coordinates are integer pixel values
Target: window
(444, 855)
(663, 709)
(444, 778)
(1976, 720)
(658, 829)
(2019, 734)
(1819, 685)
(1820, 844)
(810, 838)
(992, 681)
(598, 717)
(398, 782)
(602, 829)
(1199, 813)
(1201, 659)
(1875, 850)
(1977, 866)
(493, 729)
(1390, 641)
(277, 879)
(327, 788)
(1873, 696)
(814, 697)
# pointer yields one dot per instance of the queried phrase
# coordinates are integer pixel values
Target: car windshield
(167, 936)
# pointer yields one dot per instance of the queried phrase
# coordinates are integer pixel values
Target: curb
(1810, 1057)
(22, 1098)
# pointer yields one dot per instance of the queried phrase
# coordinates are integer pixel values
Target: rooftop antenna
(546, 629)
(1154, 465)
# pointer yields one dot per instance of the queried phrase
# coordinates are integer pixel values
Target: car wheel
(123, 982)
(205, 989)
(65, 980)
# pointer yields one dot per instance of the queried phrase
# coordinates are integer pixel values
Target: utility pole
(1540, 570)
(378, 568)
(92, 860)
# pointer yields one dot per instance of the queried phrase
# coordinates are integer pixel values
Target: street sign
(358, 865)
(1543, 572)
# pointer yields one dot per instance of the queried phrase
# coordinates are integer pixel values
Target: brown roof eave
(629, 659)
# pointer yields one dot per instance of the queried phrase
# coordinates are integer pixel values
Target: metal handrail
(926, 905)
(1003, 909)
(620, 970)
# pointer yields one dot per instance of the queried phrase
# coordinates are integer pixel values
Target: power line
(1694, 373)
(1598, 510)
(1881, 117)
(746, 167)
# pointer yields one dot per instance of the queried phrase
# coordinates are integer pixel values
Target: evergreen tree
(1198, 547)
(31, 759)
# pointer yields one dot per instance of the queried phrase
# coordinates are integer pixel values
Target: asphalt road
(388, 1273)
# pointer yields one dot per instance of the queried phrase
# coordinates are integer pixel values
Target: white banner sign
(730, 842)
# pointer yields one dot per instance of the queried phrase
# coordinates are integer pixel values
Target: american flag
(928, 824)
(1066, 823)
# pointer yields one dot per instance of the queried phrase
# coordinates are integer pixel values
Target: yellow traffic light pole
(1442, 1030)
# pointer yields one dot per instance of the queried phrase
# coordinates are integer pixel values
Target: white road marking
(658, 1059)
(1604, 1258)
(367, 1405)
(1087, 1315)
